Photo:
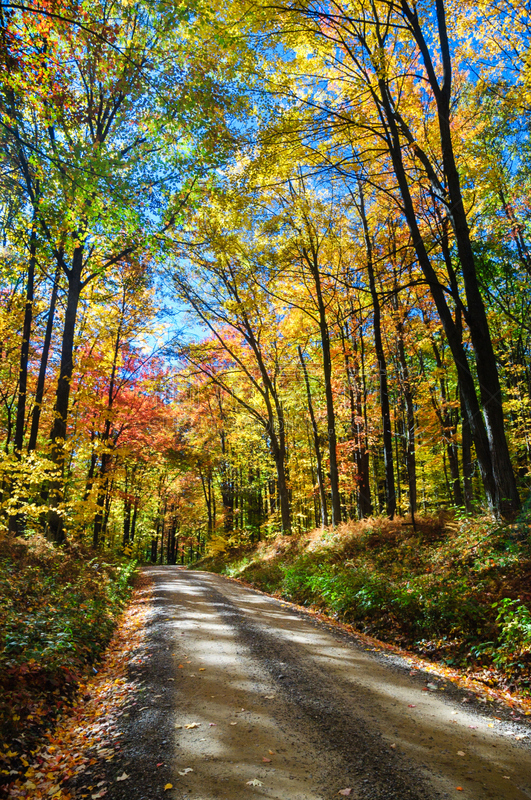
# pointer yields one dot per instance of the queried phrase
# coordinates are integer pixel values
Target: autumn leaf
(168, 786)
(123, 777)
(254, 782)
(345, 792)
(185, 771)
(192, 725)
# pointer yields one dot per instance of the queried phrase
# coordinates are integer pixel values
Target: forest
(265, 269)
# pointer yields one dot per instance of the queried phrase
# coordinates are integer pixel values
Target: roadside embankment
(457, 592)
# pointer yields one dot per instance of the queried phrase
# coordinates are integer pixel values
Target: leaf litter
(87, 733)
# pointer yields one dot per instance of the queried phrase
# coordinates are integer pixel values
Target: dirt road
(244, 697)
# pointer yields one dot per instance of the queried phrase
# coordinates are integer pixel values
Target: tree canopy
(264, 268)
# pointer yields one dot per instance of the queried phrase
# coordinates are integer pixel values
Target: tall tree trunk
(206, 483)
(410, 417)
(106, 435)
(453, 334)
(99, 515)
(24, 350)
(311, 256)
(488, 430)
(507, 498)
(62, 396)
(135, 517)
(127, 510)
(390, 493)
(226, 484)
(278, 451)
(15, 520)
(366, 508)
(41, 380)
(316, 444)
(468, 469)
(357, 420)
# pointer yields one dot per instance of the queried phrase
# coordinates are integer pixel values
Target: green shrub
(514, 647)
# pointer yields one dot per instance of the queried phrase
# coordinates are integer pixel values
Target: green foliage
(514, 649)
(57, 613)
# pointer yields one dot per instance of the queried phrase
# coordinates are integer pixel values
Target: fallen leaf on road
(212, 724)
(185, 771)
(171, 679)
(411, 705)
(123, 777)
(99, 794)
(460, 753)
(271, 752)
(266, 760)
(269, 696)
(345, 792)
(393, 746)
(459, 788)
(254, 782)
(432, 686)
(233, 723)
(160, 764)
(181, 666)
(202, 669)
(168, 786)
(193, 725)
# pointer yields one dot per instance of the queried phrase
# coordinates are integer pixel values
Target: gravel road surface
(245, 697)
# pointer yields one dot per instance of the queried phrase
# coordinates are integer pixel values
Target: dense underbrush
(457, 591)
(58, 608)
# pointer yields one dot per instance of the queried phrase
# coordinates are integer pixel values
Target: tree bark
(390, 492)
(316, 444)
(24, 350)
(41, 380)
(62, 396)
(407, 392)
(312, 260)
(15, 520)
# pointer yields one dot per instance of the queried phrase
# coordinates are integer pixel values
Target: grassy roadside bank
(458, 592)
(58, 610)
